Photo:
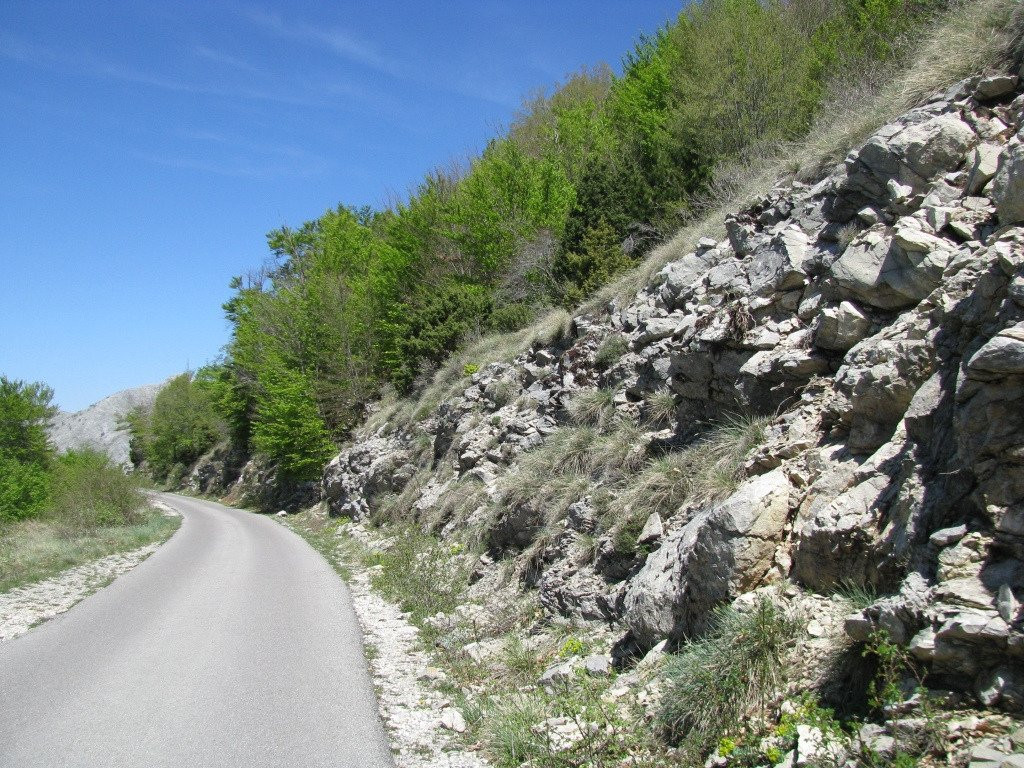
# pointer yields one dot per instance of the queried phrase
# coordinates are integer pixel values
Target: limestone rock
(840, 328)
(722, 552)
(1008, 184)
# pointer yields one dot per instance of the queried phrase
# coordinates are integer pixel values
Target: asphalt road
(235, 644)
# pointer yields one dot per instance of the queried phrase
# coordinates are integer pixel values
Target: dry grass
(660, 409)
(451, 377)
(709, 469)
(578, 461)
(32, 550)
(593, 408)
(975, 36)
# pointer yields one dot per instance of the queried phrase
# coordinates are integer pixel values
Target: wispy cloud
(256, 147)
(219, 57)
(242, 168)
(363, 53)
(83, 63)
(339, 41)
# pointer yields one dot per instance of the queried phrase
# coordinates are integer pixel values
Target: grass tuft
(660, 409)
(707, 470)
(611, 351)
(593, 408)
(727, 679)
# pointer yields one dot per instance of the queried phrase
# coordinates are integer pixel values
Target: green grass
(727, 679)
(322, 534)
(593, 408)
(611, 351)
(420, 574)
(33, 550)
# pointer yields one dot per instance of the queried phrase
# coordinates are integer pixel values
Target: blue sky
(147, 148)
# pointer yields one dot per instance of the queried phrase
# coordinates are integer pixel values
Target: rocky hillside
(98, 426)
(829, 398)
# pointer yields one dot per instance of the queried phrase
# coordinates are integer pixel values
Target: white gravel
(402, 673)
(24, 607)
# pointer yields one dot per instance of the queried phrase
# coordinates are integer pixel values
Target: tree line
(585, 180)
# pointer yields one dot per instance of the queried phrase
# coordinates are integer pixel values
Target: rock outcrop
(99, 426)
(877, 316)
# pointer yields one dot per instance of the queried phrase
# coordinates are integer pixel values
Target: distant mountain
(98, 425)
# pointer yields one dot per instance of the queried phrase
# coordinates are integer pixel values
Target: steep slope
(829, 396)
(98, 426)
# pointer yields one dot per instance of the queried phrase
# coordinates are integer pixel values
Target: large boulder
(722, 552)
(893, 268)
(782, 264)
(1007, 190)
(910, 153)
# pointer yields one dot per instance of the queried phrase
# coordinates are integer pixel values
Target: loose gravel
(402, 673)
(24, 607)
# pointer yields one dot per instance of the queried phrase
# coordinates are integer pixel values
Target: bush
(427, 329)
(181, 426)
(88, 491)
(25, 410)
(611, 351)
(726, 679)
(25, 452)
(420, 574)
(24, 489)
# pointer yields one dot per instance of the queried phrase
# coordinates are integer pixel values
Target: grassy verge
(32, 550)
(574, 720)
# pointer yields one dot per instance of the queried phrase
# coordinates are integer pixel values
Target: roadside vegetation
(60, 511)
(588, 178)
(730, 697)
(182, 424)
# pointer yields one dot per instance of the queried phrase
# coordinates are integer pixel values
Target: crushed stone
(25, 607)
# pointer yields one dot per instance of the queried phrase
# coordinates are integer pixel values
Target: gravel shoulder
(421, 722)
(25, 607)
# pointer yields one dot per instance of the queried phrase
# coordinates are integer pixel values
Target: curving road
(235, 644)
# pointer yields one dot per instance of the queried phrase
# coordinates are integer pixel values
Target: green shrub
(25, 452)
(428, 329)
(598, 258)
(289, 429)
(181, 426)
(420, 574)
(25, 410)
(89, 492)
(726, 679)
(24, 489)
(611, 351)
(512, 317)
